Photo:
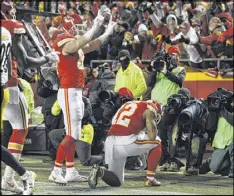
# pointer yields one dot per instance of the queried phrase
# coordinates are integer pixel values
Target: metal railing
(148, 61)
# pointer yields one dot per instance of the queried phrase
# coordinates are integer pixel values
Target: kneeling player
(126, 138)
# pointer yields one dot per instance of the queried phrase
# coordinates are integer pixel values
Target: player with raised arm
(72, 49)
(133, 132)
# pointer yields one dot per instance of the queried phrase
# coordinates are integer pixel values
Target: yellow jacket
(29, 95)
(131, 78)
(55, 110)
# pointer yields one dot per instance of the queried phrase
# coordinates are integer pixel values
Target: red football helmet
(156, 105)
(68, 25)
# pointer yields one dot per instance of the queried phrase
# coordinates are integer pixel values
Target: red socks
(153, 160)
(71, 156)
(16, 143)
(63, 150)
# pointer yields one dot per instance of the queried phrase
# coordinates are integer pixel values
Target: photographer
(220, 127)
(105, 80)
(169, 76)
(172, 135)
(166, 79)
(192, 126)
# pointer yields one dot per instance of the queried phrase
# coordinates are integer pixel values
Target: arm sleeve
(141, 85)
(55, 110)
(95, 44)
(178, 79)
(175, 40)
(208, 40)
(194, 38)
(79, 42)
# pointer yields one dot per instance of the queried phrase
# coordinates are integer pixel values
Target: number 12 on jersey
(122, 117)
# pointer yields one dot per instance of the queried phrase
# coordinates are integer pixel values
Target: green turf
(172, 183)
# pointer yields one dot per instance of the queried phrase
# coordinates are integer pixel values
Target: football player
(16, 111)
(133, 132)
(72, 48)
(8, 183)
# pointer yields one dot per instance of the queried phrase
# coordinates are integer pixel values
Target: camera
(219, 99)
(108, 96)
(177, 102)
(194, 112)
(162, 57)
(113, 98)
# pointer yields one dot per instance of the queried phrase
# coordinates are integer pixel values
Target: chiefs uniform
(72, 78)
(126, 137)
(5, 51)
(16, 110)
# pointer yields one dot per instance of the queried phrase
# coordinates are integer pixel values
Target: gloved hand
(52, 57)
(183, 39)
(98, 21)
(111, 27)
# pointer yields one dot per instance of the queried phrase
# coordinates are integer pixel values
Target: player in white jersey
(5, 69)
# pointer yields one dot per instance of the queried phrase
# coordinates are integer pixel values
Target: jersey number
(124, 117)
(5, 49)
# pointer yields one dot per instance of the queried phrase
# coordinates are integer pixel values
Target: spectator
(130, 75)
(190, 38)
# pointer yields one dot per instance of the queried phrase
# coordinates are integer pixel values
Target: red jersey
(14, 27)
(129, 118)
(70, 73)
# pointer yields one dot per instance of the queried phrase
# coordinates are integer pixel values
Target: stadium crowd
(87, 108)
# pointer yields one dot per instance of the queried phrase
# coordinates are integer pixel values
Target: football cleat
(29, 183)
(153, 182)
(57, 177)
(93, 177)
(74, 176)
(11, 185)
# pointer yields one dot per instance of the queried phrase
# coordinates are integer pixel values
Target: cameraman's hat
(185, 92)
(174, 49)
(125, 92)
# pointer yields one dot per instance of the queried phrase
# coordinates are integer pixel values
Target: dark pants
(83, 149)
(222, 160)
(9, 160)
(6, 133)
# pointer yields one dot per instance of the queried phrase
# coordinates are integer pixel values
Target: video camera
(162, 57)
(177, 102)
(194, 112)
(113, 98)
(219, 99)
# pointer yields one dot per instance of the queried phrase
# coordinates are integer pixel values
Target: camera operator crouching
(166, 78)
(220, 129)
(184, 118)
